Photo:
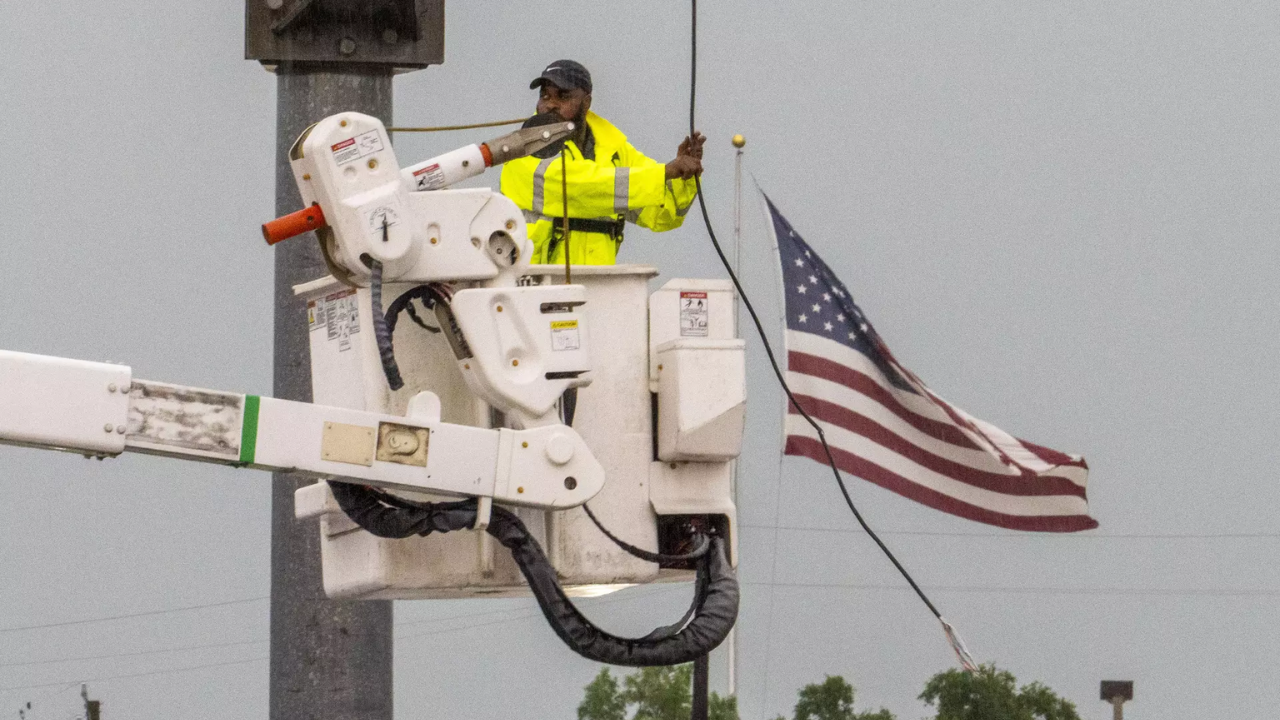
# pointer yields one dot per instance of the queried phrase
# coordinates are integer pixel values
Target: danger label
(353, 149)
(430, 177)
(338, 314)
(564, 335)
(694, 314)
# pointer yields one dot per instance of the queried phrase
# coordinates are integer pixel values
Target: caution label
(564, 335)
(353, 149)
(430, 177)
(338, 314)
(695, 312)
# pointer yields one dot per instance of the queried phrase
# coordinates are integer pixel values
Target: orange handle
(295, 223)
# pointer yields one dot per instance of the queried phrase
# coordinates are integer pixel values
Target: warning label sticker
(694, 313)
(338, 314)
(430, 177)
(353, 149)
(564, 335)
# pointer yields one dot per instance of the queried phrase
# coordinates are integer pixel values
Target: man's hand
(688, 162)
(684, 167)
(692, 146)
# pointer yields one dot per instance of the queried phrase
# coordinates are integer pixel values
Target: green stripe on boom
(249, 429)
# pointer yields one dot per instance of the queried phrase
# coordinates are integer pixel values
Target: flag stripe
(1010, 504)
(801, 362)
(839, 395)
(1052, 456)
(869, 471)
(826, 348)
(833, 414)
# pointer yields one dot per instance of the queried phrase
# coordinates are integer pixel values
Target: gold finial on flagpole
(739, 140)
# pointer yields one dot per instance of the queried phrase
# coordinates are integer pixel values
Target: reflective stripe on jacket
(619, 183)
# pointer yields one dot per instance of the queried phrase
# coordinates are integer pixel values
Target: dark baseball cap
(564, 74)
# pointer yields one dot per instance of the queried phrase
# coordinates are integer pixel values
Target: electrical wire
(1032, 536)
(132, 615)
(139, 653)
(135, 675)
(525, 616)
(1033, 590)
(768, 349)
(411, 623)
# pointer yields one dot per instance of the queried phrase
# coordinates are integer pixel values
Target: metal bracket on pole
(403, 34)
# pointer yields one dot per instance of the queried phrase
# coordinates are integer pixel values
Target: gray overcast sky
(1060, 216)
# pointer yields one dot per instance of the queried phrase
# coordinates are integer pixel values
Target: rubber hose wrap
(715, 602)
(381, 333)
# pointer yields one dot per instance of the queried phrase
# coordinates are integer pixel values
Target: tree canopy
(832, 699)
(991, 694)
(665, 693)
(653, 693)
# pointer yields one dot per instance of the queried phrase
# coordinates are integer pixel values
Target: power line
(135, 675)
(132, 654)
(526, 616)
(132, 615)
(463, 616)
(1028, 590)
(1039, 535)
(538, 613)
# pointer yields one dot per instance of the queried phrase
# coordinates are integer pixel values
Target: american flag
(885, 426)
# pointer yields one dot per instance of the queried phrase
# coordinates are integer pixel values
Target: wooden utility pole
(329, 659)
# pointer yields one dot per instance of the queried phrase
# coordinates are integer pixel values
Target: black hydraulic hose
(381, 333)
(768, 349)
(717, 606)
(711, 617)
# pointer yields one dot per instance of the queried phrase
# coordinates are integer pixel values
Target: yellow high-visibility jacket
(619, 184)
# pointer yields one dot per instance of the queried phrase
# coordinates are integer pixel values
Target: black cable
(413, 315)
(425, 294)
(700, 549)
(768, 349)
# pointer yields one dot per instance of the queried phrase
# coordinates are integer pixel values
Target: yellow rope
(564, 201)
(443, 128)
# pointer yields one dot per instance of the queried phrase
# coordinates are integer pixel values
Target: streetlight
(1117, 692)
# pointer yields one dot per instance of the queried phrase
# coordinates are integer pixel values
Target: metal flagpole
(738, 143)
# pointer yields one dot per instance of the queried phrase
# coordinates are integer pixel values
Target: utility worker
(609, 182)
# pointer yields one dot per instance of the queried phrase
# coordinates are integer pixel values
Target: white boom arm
(99, 409)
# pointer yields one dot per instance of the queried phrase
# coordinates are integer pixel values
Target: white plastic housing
(63, 404)
(702, 399)
(527, 344)
(689, 308)
(346, 164)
